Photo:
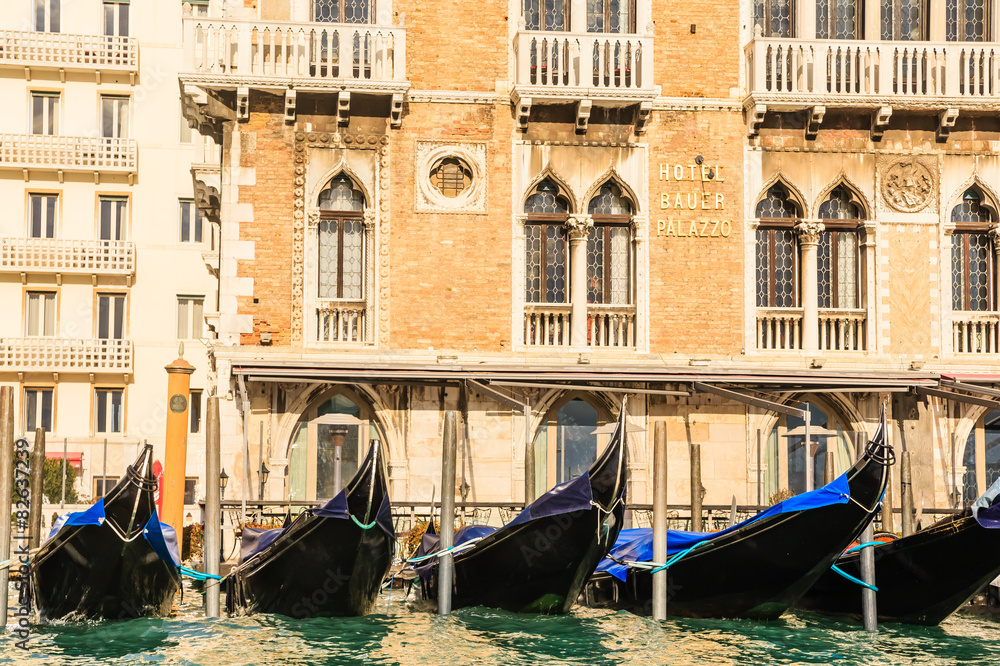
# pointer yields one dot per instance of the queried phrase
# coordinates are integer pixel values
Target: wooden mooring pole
(906, 488)
(36, 489)
(869, 612)
(660, 519)
(828, 468)
(446, 562)
(213, 509)
(696, 488)
(6, 488)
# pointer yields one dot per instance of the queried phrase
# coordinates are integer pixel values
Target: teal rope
(462, 546)
(863, 545)
(852, 578)
(197, 575)
(676, 557)
(361, 524)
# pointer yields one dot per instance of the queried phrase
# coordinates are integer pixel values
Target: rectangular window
(103, 485)
(341, 258)
(47, 15)
(837, 269)
(40, 314)
(37, 409)
(904, 20)
(837, 19)
(194, 410)
(114, 218)
(42, 215)
(777, 268)
(971, 272)
(774, 17)
(111, 316)
(190, 490)
(45, 113)
(114, 117)
(108, 410)
(192, 227)
(190, 317)
(116, 18)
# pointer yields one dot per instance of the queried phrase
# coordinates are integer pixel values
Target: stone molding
(428, 199)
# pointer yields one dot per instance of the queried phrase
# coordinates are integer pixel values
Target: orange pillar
(175, 461)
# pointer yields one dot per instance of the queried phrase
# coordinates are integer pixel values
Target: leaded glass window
(615, 16)
(342, 11)
(837, 19)
(966, 20)
(777, 250)
(341, 247)
(546, 15)
(838, 257)
(774, 17)
(545, 245)
(971, 255)
(904, 20)
(609, 258)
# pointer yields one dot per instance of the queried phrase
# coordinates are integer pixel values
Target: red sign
(158, 497)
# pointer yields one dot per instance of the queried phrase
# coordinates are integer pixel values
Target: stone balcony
(585, 69)
(975, 333)
(943, 78)
(63, 52)
(62, 256)
(340, 321)
(65, 355)
(839, 330)
(74, 154)
(607, 326)
(294, 57)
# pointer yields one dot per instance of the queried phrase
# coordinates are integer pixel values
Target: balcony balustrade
(842, 330)
(779, 329)
(547, 324)
(56, 255)
(608, 326)
(341, 322)
(55, 50)
(611, 325)
(65, 355)
(68, 153)
(976, 332)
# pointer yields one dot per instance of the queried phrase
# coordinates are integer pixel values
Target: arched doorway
(982, 457)
(566, 444)
(337, 422)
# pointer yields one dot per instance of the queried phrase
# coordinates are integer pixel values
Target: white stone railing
(779, 329)
(340, 321)
(67, 153)
(547, 324)
(295, 50)
(602, 62)
(976, 332)
(610, 325)
(57, 255)
(842, 330)
(56, 49)
(889, 70)
(65, 355)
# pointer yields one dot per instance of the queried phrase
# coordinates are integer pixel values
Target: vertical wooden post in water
(760, 474)
(213, 510)
(828, 470)
(529, 457)
(869, 612)
(6, 487)
(175, 459)
(888, 521)
(62, 498)
(660, 519)
(446, 562)
(696, 487)
(906, 486)
(35, 489)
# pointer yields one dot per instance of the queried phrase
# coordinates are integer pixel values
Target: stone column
(368, 334)
(578, 229)
(872, 21)
(869, 288)
(938, 17)
(804, 15)
(808, 232)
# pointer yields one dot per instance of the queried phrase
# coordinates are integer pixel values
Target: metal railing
(58, 255)
(67, 153)
(65, 51)
(65, 355)
(602, 62)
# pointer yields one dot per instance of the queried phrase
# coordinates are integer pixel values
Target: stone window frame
(427, 197)
(960, 231)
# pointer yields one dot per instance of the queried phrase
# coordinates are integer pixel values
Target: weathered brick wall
(703, 64)
(696, 284)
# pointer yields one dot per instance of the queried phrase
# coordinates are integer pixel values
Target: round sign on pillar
(178, 403)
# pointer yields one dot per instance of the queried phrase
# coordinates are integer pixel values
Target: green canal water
(397, 635)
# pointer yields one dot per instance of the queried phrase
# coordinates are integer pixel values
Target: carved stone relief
(908, 184)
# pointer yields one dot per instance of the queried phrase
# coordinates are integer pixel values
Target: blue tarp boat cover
(568, 497)
(986, 509)
(636, 545)
(256, 540)
(160, 536)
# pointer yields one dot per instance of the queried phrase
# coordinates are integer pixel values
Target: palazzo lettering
(694, 228)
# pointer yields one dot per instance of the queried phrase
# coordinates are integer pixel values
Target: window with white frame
(113, 223)
(48, 15)
(614, 16)
(40, 314)
(111, 316)
(109, 410)
(191, 225)
(190, 317)
(546, 14)
(45, 113)
(114, 117)
(116, 18)
(42, 210)
(38, 409)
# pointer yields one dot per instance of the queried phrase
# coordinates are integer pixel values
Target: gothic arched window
(972, 279)
(838, 260)
(777, 251)
(609, 247)
(545, 245)
(341, 240)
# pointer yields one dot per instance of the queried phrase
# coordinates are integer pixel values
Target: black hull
(921, 579)
(91, 572)
(543, 565)
(758, 571)
(321, 566)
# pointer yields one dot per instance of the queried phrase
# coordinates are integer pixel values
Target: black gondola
(330, 561)
(925, 577)
(756, 569)
(113, 561)
(540, 561)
